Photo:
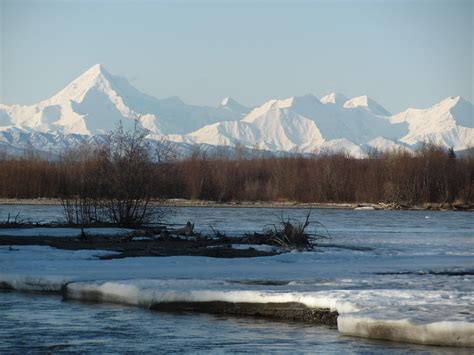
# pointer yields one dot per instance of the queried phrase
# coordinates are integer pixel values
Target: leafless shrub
(291, 233)
(114, 182)
(12, 221)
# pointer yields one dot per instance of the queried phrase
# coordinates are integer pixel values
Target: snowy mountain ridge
(96, 101)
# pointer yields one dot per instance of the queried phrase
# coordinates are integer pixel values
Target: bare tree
(115, 184)
(166, 151)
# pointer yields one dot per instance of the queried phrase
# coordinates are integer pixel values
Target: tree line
(125, 169)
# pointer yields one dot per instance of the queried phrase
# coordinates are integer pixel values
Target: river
(378, 266)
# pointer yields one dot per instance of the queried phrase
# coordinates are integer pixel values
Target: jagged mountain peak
(449, 122)
(97, 68)
(92, 72)
(367, 103)
(334, 98)
(294, 102)
(303, 105)
(458, 109)
(96, 100)
(228, 103)
(95, 76)
(452, 101)
(307, 99)
(462, 111)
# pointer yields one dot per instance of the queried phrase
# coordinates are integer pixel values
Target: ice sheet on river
(412, 306)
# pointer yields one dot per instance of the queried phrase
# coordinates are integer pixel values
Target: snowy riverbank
(268, 204)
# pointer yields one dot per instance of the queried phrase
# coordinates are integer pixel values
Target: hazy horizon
(401, 53)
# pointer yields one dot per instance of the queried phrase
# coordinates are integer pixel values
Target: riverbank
(123, 246)
(270, 204)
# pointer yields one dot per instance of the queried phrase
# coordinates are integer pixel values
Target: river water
(390, 265)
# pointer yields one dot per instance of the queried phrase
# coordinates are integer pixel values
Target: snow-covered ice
(259, 247)
(414, 284)
(397, 302)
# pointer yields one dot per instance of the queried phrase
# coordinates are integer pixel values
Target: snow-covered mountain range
(96, 101)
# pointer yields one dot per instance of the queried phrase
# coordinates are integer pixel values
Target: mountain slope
(88, 105)
(449, 123)
(298, 124)
(306, 124)
(230, 104)
(368, 104)
(335, 99)
(95, 101)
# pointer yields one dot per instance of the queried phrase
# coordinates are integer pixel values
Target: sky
(402, 53)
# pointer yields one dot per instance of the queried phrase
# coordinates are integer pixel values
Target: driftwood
(187, 230)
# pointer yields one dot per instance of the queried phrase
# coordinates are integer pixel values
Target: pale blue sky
(402, 53)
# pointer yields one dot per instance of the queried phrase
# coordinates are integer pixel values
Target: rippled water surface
(366, 247)
(44, 323)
